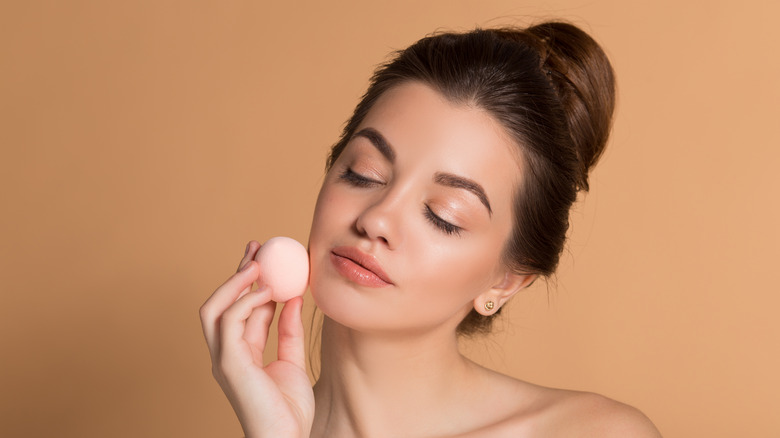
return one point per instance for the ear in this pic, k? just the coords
(501, 292)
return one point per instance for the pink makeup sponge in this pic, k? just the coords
(284, 268)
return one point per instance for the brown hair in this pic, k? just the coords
(552, 88)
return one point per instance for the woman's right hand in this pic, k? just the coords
(275, 400)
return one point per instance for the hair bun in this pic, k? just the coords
(583, 78)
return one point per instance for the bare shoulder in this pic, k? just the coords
(516, 408)
(584, 414)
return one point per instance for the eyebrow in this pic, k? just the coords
(458, 182)
(378, 141)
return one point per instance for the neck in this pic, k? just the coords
(375, 384)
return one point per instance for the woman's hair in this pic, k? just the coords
(552, 89)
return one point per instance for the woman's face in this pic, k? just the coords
(412, 218)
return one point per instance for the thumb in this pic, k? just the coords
(291, 348)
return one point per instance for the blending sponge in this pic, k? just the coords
(284, 268)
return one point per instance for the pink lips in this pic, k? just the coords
(359, 267)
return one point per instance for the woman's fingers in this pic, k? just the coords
(291, 343)
(233, 323)
(236, 322)
(221, 299)
(249, 254)
(257, 327)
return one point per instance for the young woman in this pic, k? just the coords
(448, 192)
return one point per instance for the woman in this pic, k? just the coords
(448, 192)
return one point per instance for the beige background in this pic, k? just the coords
(144, 143)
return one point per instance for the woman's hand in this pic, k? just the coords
(275, 400)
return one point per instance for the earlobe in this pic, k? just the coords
(489, 302)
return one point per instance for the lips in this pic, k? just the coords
(359, 267)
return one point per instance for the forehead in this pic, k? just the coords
(432, 134)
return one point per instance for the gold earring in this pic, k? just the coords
(489, 306)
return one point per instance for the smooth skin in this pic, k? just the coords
(390, 363)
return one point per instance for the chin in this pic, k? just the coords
(376, 312)
(345, 305)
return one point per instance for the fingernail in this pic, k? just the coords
(246, 251)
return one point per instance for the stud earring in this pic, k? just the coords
(489, 305)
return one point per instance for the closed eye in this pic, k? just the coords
(356, 179)
(440, 223)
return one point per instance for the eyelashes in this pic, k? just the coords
(357, 180)
(440, 223)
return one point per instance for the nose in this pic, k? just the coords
(380, 222)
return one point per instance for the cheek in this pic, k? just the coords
(454, 274)
(442, 288)
(331, 218)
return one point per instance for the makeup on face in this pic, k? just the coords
(359, 267)
(442, 178)
(368, 167)
(417, 207)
